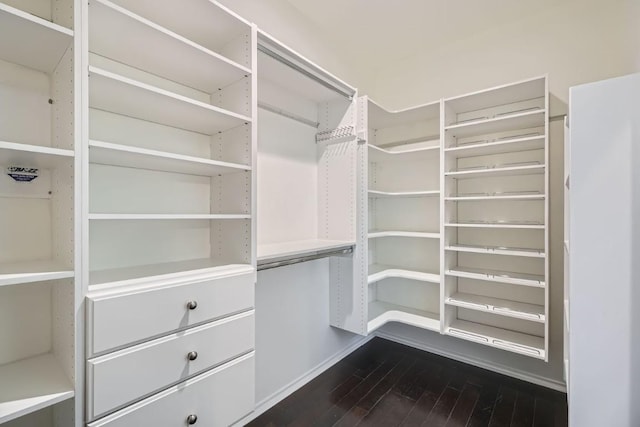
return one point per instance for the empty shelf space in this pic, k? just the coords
(495, 196)
(375, 194)
(522, 225)
(503, 123)
(128, 216)
(532, 312)
(16, 154)
(32, 271)
(497, 250)
(380, 117)
(378, 272)
(498, 171)
(207, 70)
(107, 153)
(381, 154)
(117, 278)
(509, 277)
(375, 234)
(298, 248)
(33, 42)
(121, 95)
(517, 342)
(490, 147)
(381, 312)
(32, 384)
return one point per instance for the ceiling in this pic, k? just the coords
(372, 31)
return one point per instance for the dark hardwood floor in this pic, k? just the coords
(388, 384)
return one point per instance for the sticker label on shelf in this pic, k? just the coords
(21, 174)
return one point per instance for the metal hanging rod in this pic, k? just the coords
(319, 255)
(302, 71)
(292, 116)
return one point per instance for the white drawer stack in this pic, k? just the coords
(169, 354)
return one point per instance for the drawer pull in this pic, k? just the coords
(192, 419)
(192, 305)
(192, 355)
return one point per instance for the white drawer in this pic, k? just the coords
(118, 378)
(115, 321)
(218, 397)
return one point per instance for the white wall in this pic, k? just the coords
(578, 41)
(575, 42)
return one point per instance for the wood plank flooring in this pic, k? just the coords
(388, 384)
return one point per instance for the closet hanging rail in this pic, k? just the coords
(292, 65)
(290, 261)
(292, 116)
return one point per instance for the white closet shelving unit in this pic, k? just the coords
(400, 172)
(39, 285)
(170, 142)
(495, 217)
(307, 152)
(169, 216)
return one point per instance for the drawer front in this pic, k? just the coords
(120, 320)
(127, 375)
(217, 398)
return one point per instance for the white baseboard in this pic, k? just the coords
(266, 404)
(480, 363)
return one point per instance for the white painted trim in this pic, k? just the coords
(269, 402)
(480, 363)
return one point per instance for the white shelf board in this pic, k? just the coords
(498, 197)
(500, 95)
(381, 154)
(214, 24)
(107, 153)
(508, 277)
(16, 273)
(519, 310)
(400, 194)
(497, 250)
(121, 95)
(566, 247)
(273, 251)
(517, 342)
(32, 384)
(375, 234)
(31, 41)
(157, 49)
(508, 122)
(154, 273)
(509, 225)
(381, 312)
(498, 171)
(510, 145)
(380, 117)
(378, 272)
(16, 154)
(566, 314)
(127, 216)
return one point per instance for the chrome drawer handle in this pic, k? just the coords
(192, 419)
(192, 355)
(192, 305)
